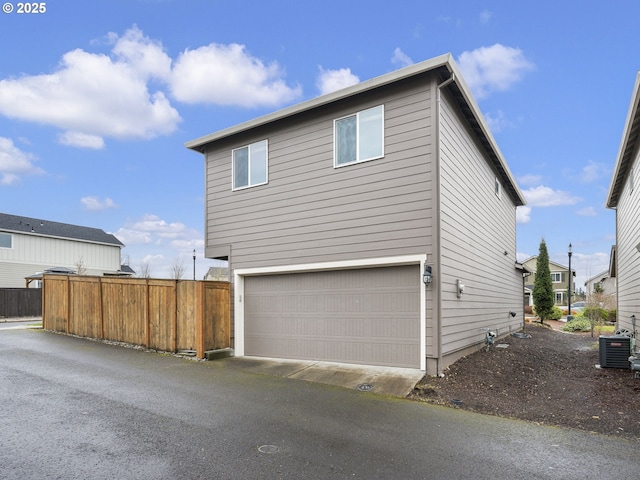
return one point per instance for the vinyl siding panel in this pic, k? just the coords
(31, 254)
(628, 237)
(312, 212)
(478, 241)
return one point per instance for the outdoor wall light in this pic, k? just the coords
(426, 276)
(460, 288)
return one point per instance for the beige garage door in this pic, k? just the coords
(367, 316)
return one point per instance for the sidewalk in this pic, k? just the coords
(20, 319)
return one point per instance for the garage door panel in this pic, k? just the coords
(367, 316)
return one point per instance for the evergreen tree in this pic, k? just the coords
(543, 298)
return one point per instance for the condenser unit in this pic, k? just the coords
(615, 351)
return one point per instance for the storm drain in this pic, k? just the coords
(365, 387)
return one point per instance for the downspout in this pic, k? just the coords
(437, 243)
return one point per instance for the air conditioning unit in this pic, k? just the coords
(615, 351)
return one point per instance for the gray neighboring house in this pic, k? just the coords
(624, 198)
(331, 211)
(29, 246)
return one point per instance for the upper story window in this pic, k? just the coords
(359, 137)
(250, 165)
(6, 240)
(498, 188)
(631, 181)
(556, 277)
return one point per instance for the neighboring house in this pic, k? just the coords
(624, 198)
(29, 246)
(559, 280)
(602, 283)
(219, 274)
(329, 212)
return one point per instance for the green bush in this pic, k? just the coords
(596, 314)
(578, 325)
(556, 314)
(613, 316)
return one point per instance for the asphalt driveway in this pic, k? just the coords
(73, 408)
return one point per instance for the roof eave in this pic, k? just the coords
(623, 160)
(445, 60)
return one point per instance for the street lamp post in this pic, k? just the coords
(569, 284)
(194, 263)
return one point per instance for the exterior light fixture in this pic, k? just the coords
(426, 276)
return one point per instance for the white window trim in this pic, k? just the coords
(552, 277)
(335, 143)
(240, 274)
(233, 166)
(498, 188)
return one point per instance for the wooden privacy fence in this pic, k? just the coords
(166, 315)
(20, 302)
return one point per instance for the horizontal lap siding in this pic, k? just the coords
(309, 211)
(477, 229)
(628, 257)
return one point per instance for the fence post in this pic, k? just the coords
(66, 319)
(199, 319)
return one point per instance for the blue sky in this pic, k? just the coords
(98, 98)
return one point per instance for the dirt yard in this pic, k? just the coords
(550, 378)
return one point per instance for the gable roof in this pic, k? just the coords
(628, 147)
(444, 66)
(551, 262)
(46, 228)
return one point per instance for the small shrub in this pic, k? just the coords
(556, 314)
(596, 314)
(578, 325)
(612, 316)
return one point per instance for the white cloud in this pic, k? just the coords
(332, 80)
(485, 16)
(588, 212)
(130, 236)
(228, 75)
(96, 204)
(144, 55)
(495, 68)
(125, 94)
(523, 214)
(497, 121)
(93, 95)
(530, 179)
(152, 229)
(83, 140)
(547, 197)
(401, 59)
(14, 163)
(593, 171)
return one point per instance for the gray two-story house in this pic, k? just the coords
(624, 198)
(374, 225)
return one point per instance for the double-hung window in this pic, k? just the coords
(250, 165)
(359, 137)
